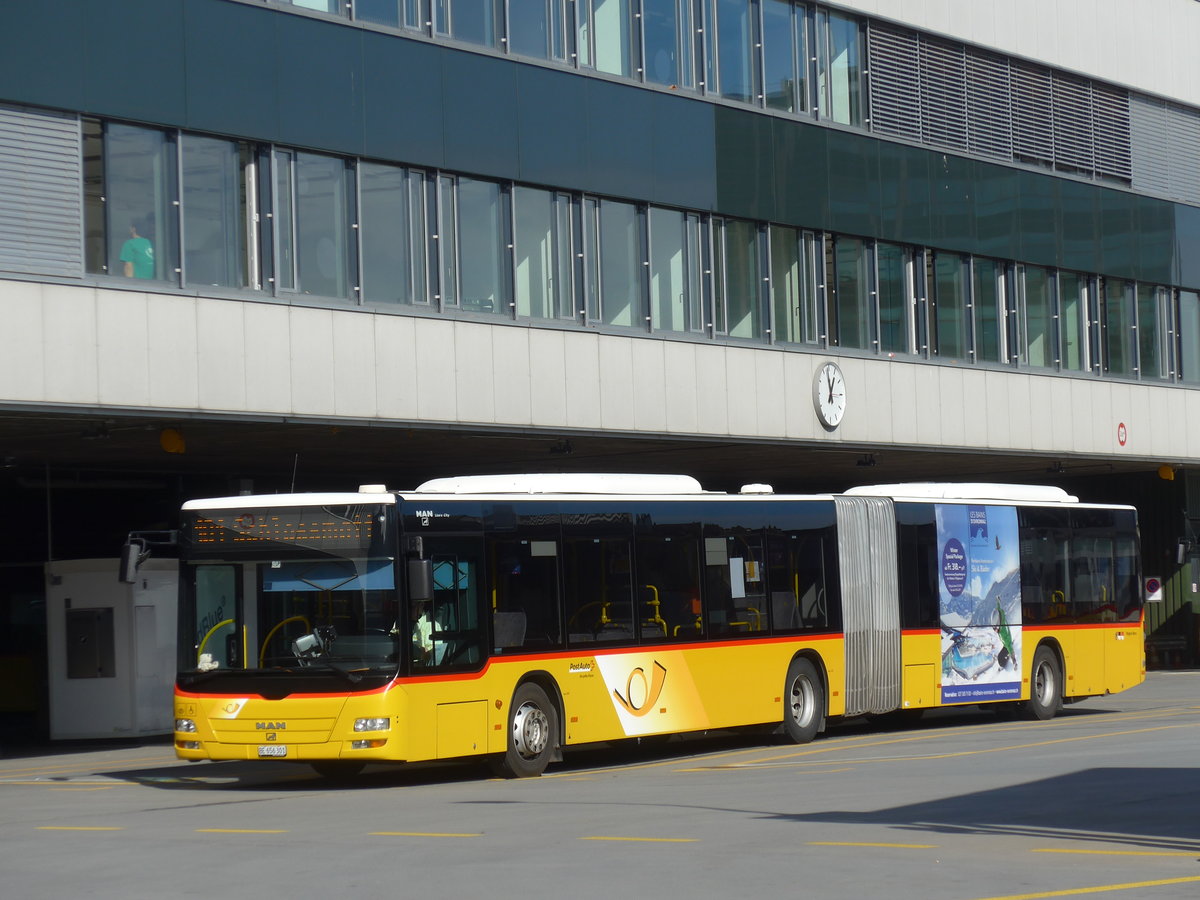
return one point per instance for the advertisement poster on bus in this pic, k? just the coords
(980, 600)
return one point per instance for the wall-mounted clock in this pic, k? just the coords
(829, 395)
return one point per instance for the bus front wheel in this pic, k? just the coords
(1045, 685)
(532, 730)
(804, 696)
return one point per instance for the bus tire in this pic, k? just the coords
(532, 733)
(804, 702)
(1045, 685)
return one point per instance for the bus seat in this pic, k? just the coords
(785, 609)
(509, 629)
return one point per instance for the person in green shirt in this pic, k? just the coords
(138, 255)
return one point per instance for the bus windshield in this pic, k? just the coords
(290, 590)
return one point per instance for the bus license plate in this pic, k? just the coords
(272, 749)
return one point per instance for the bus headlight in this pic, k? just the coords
(185, 725)
(383, 724)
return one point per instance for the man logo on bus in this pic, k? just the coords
(650, 691)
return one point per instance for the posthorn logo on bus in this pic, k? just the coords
(650, 690)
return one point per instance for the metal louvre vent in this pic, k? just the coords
(1183, 132)
(1152, 155)
(1032, 114)
(948, 95)
(871, 615)
(895, 97)
(1072, 123)
(943, 95)
(1110, 109)
(989, 113)
(41, 205)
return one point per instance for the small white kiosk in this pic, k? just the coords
(111, 648)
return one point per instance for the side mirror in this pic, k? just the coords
(420, 579)
(131, 556)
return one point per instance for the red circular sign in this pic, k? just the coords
(1122, 434)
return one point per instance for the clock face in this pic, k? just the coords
(829, 395)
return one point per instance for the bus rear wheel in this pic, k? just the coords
(532, 732)
(1045, 685)
(804, 702)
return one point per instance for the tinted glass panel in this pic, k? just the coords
(214, 212)
(1037, 295)
(481, 240)
(852, 309)
(989, 311)
(667, 32)
(792, 288)
(1189, 340)
(323, 219)
(739, 286)
(620, 263)
(783, 55)
(1073, 320)
(542, 244)
(1116, 316)
(895, 298)
(393, 234)
(669, 270)
(140, 187)
(734, 42)
(950, 313)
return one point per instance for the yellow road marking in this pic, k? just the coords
(1099, 889)
(77, 790)
(871, 844)
(446, 834)
(1190, 855)
(241, 831)
(641, 840)
(80, 828)
(63, 768)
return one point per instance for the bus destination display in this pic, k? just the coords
(339, 528)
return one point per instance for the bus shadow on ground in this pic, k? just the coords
(1141, 807)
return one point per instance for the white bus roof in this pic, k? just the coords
(562, 483)
(254, 501)
(975, 490)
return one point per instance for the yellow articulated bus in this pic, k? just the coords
(511, 617)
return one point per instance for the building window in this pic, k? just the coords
(397, 13)
(1189, 336)
(785, 55)
(1117, 317)
(394, 235)
(735, 49)
(948, 276)
(1154, 331)
(896, 299)
(987, 303)
(607, 39)
(313, 215)
(542, 245)
(850, 316)
(839, 68)
(215, 211)
(1073, 321)
(473, 21)
(473, 243)
(668, 31)
(130, 208)
(737, 277)
(676, 283)
(613, 270)
(793, 286)
(1035, 316)
(538, 28)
